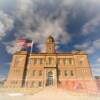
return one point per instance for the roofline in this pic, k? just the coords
(41, 53)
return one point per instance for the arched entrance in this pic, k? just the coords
(50, 78)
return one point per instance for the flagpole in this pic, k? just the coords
(29, 58)
(31, 48)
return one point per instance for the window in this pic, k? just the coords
(58, 60)
(27, 84)
(70, 60)
(30, 61)
(13, 82)
(50, 48)
(41, 61)
(40, 83)
(35, 60)
(65, 72)
(17, 61)
(16, 71)
(40, 73)
(33, 84)
(64, 60)
(49, 60)
(34, 72)
(81, 61)
(72, 73)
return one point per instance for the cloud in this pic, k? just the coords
(96, 43)
(43, 20)
(2, 78)
(36, 19)
(89, 46)
(91, 25)
(11, 47)
(96, 71)
(6, 24)
(86, 46)
(98, 60)
(90, 50)
(96, 66)
(82, 46)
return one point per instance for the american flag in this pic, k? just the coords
(29, 45)
(24, 43)
(21, 42)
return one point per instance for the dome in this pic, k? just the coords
(50, 39)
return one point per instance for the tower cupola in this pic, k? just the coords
(50, 45)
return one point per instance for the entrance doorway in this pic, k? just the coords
(50, 79)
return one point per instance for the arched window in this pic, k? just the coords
(50, 78)
(50, 73)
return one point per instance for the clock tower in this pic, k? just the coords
(50, 45)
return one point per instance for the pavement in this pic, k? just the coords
(49, 94)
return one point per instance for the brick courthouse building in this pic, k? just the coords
(35, 70)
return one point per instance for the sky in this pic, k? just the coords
(75, 24)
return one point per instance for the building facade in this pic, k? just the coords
(97, 78)
(47, 69)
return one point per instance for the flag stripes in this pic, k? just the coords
(20, 42)
(24, 43)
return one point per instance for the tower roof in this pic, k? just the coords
(50, 39)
